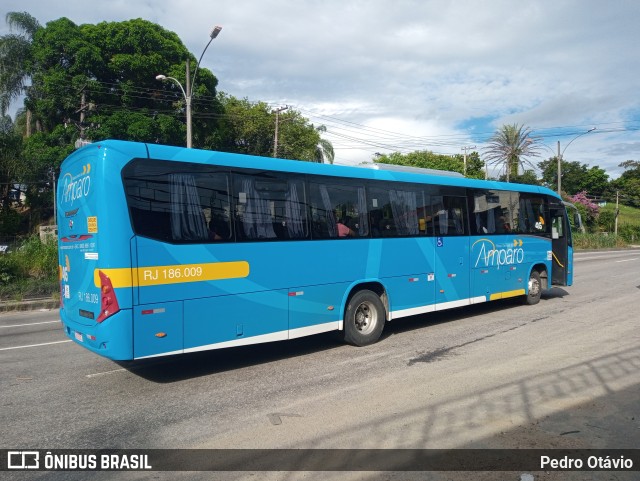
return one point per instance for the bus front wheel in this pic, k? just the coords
(364, 318)
(535, 289)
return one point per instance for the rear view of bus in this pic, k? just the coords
(94, 312)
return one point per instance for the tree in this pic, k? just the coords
(100, 81)
(527, 177)
(324, 149)
(426, 159)
(510, 146)
(15, 57)
(10, 160)
(95, 82)
(576, 177)
(249, 128)
(627, 186)
(297, 138)
(588, 210)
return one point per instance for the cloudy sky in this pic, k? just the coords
(415, 75)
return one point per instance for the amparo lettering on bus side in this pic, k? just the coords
(490, 255)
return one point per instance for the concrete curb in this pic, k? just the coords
(29, 305)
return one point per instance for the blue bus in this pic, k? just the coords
(166, 250)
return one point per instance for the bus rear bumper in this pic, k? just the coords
(113, 338)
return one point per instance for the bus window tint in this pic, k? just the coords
(338, 210)
(449, 216)
(218, 211)
(177, 202)
(269, 207)
(492, 212)
(531, 214)
(397, 212)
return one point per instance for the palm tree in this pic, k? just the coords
(10, 154)
(324, 149)
(509, 146)
(15, 57)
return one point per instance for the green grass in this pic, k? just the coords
(628, 215)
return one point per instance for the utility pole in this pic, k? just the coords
(83, 106)
(465, 157)
(560, 170)
(81, 125)
(275, 139)
(617, 211)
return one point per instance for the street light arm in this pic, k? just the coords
(214, 33)
(164, 77)
(577, 137)
(190, 83)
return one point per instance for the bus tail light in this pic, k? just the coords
(108, 302)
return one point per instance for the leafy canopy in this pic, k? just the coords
(430, 160)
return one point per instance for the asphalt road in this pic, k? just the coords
(561, 374)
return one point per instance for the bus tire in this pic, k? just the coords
(534, 289)
(364, 318)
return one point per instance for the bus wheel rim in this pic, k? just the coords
(365, 317)
(534, 287)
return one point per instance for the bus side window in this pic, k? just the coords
(449, 215)
(338, 203)
(530, 214)
(397, 212)
(170, 202)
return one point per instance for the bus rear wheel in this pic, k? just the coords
(364, 318)
(535, 289)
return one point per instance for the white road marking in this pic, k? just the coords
(31, 324)
(33, 345)
(105, 373)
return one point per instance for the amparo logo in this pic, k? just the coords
(491, 255)
(76, 187)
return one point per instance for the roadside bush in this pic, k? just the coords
(31, 270)
(630, 233)
(606, 220)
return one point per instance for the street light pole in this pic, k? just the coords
(187, 99)
(561, 154)
(190, 84)
(275, 137)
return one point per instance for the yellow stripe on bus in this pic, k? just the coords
(506, 294)
(174, 274)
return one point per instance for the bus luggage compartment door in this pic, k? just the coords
(157, 329)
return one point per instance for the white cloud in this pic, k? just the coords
(446, 73)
